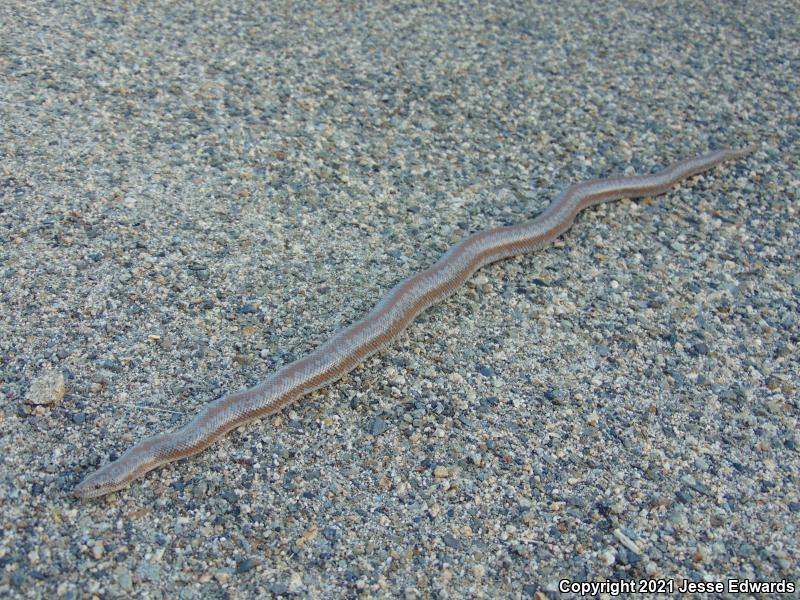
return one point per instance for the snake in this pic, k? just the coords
(391, 315)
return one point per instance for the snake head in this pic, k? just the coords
(134, 462)
(108, 478)
(92, 487)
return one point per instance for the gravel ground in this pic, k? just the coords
(195, 193)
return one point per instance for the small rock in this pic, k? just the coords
(222, 576)
(427, 123)
(200, 490)
(248, 309)
(246, 565)
(627, 542)
(124, 579)
(378, 426)
(47, 389)
(97, 551)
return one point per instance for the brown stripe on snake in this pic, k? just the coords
(350, 346)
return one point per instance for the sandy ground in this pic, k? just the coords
(194, 193)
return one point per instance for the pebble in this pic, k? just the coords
(124, 578)
(486, 371)
(47, 389)
(246, 565)
(378, 426)
(223, 576)
(627, 542)
(97, 551)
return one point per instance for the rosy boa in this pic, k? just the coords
(350, 346)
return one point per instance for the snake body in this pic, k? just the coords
(352, 345)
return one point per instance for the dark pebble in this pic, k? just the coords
(631, 557)
(489, 401)
(230, 496)
(378, 426)
(246, 565)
